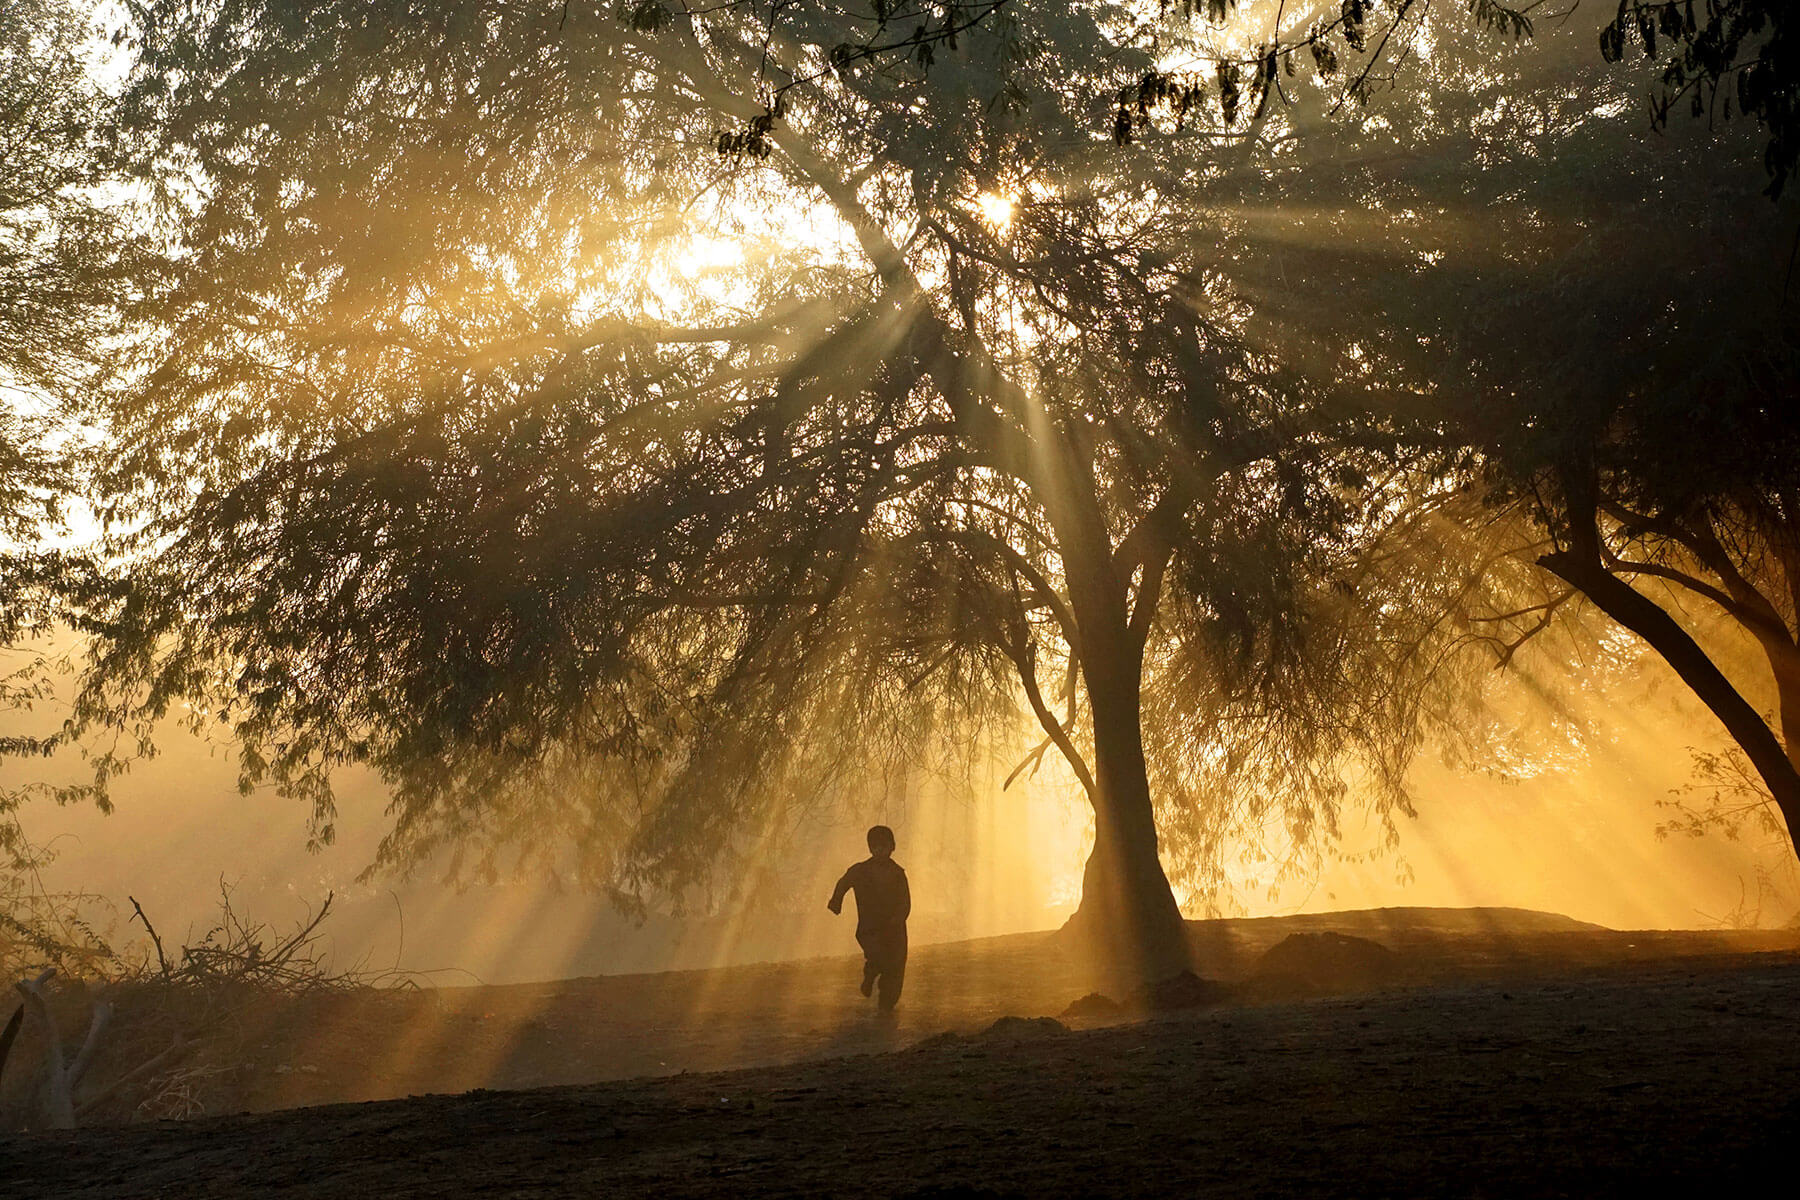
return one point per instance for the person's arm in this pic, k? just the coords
(905, 898)
(836, 903)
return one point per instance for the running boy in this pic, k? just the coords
(883, 902)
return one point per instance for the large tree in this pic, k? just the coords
(633, 431)
(526, 409)
(1604, 324)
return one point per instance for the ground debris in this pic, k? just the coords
(1186, 990)
(1093, 1007)
(1019, 1029)
(1320, 963)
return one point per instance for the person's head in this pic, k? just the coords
(881, 841)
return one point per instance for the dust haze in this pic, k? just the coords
(1571, 830)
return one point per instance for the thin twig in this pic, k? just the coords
(162, 962)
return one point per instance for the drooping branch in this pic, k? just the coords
(1022, 656)
(1579, 563)
(1699, 587)
(1041, 586)
(1546, 612)
(1035, 756)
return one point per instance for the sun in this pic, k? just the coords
(996, 209)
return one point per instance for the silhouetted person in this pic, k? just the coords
(883, 902)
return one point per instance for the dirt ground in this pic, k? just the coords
(1506, 1053)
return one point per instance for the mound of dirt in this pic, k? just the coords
(1024, 1029)
(1327, 962)
(1093, 1007)
(1186, 990)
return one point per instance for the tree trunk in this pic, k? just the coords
(1644, 617)
(1128, 916)
(1128, 911)
(1787, 692)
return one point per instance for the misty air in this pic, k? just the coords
(898, 598)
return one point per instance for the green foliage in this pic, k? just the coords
(1725, 795)
(58, 244)
(1501, 18)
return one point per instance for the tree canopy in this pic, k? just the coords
(591, 482)
(62, 263)
(631, 431)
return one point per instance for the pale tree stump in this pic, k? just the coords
(61, 1076)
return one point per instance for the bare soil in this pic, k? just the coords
(1505, 1053)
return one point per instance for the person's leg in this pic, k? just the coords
(871, 962)
(893, 977)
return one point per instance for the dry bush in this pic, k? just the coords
(1725, 795)
(177, 1027)
(41, 928)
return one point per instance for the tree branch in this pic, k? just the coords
(1065, 617)
(1022, 658)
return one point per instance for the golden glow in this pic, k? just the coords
(997, 210)
(703, 253)
(1565, 833)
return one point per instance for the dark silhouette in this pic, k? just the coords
(883, 902)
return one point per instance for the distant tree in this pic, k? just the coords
(1614, 352)
(60, 262)
(497, 422)
(1670, 494)
(1634, 398)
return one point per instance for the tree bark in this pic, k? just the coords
(1128, 909)
(1787, 699)
(1644, 617)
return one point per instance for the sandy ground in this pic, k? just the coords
(1508, 1054)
